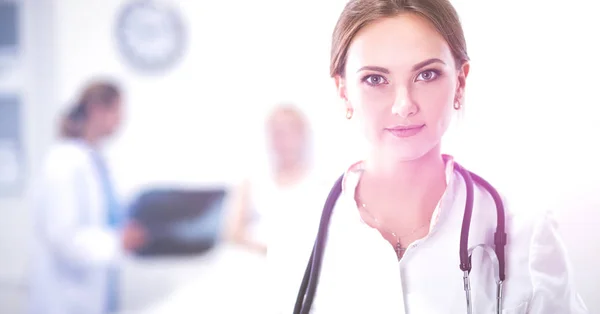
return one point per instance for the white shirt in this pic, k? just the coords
(361, 274)
(270, 199)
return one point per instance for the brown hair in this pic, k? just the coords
(359, 13)
(99, 93)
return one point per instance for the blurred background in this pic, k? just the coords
(202, 84)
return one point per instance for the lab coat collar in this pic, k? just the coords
(354, 172)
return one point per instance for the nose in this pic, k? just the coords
(403, 105)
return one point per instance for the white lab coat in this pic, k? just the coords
(361, 274)
(72, 248)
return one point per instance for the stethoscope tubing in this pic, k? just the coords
(309, 283)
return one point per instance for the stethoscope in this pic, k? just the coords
(308, 287)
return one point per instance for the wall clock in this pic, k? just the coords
(150, 35)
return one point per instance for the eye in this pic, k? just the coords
(374, 80)
(428, 75)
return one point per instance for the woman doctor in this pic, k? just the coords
(79, 230)
(400, 67)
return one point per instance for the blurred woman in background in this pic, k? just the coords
(281, 188)
(79, 231)
(279, 206)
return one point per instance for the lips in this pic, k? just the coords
(406, 131)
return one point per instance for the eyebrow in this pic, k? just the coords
(414, 68)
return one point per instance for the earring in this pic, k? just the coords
(457, 105)
(349, 113)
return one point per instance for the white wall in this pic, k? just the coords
(531, 126)
(32, 77)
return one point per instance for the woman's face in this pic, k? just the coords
(401, 80)
(108, 118)
(287, 138)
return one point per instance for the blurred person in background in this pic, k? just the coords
(80, 227)
(279, 188)
(281, 202)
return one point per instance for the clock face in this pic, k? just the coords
(150, 35)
